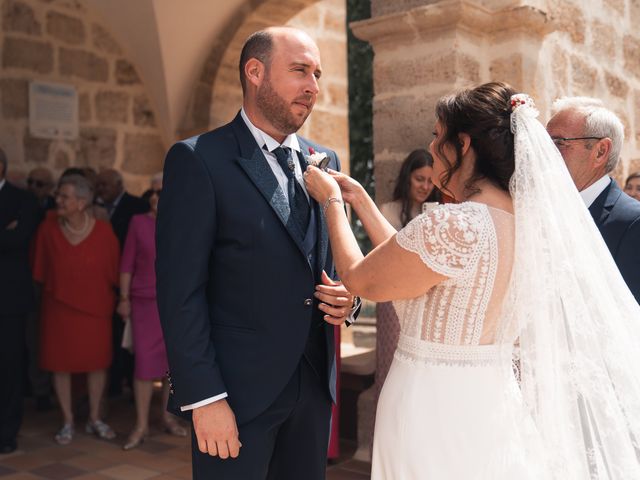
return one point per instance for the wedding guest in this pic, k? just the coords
(18, 222)
(589, 138)
(120, 206)
(632, 185)
(138, 305)
(76, 261)
(40, 183)
(413, 188)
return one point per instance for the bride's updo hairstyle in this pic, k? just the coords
(483, 113)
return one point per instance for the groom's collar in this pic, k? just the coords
(263, 138)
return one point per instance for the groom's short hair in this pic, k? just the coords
(259, 45)
(599, 122)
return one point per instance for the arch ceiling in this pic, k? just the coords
(169, 42)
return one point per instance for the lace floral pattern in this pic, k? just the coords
(458, 241)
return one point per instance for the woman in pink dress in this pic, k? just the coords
(138, 305)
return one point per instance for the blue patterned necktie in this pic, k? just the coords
(298, 203)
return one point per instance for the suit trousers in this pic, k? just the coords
(286, 442)
(12, 357)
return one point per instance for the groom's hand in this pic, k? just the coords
(336, 300)
(216, 430)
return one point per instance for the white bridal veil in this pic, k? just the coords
(576, 322)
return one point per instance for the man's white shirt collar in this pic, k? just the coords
(2, 182)
(590, 193)
(263, 138)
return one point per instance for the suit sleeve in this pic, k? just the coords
(186, 227)
(27, 223)
(628, 258)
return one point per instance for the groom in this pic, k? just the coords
(245, 304)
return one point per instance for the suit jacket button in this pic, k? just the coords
(308, 302)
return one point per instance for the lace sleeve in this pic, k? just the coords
(448, 239)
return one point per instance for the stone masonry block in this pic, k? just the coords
(616, 85)
(112, 106)
(36, 150)
(83, 64)
(96, 147)
(68, 29)
(603, 41)
(508, 69)
(143, 153)
(584, 75)
(568, 18)
(103, 40)
(631, 48)
(84, 107)
(126, 73)
(403, 123)
(142, 112)
(27, 54)
(19, 17)
(448, 68)
(15, 98)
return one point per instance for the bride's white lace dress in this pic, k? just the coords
(450, 407)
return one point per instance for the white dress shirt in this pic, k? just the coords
(2, 182)
(590, 193)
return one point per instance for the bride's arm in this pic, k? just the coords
(377, 227)
(389, 272)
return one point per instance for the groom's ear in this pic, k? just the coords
(464, 141)
(254, 70)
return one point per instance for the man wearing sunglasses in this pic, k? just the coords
(589, 138)
(40, 183)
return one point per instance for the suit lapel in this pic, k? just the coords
(321, 224)
(255, 165)
(601, 207)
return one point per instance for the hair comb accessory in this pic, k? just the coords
(520, 99)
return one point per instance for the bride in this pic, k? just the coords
(520, 343)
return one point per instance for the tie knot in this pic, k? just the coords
(283, 155)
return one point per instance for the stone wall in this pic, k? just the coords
(425, 49)
(61, 41)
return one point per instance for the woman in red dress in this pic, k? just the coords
(76, 261)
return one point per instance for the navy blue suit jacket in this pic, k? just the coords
(617, 215)
(16, 284)
(233, 281)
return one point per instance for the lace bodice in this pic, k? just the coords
(472, 245)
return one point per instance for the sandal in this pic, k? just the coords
(100, 430)
(64, 435)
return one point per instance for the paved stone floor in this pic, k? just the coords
(160, 457)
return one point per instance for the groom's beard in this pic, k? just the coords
(278, 110)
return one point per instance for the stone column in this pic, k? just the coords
(432, 49)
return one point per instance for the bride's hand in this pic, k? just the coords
(320, 185)
(349, 187)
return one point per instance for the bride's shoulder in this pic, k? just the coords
(453, 213)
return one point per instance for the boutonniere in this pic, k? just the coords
(317, 159)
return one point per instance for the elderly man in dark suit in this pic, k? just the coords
(245, 301)
(18, 221)
(590, 137)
